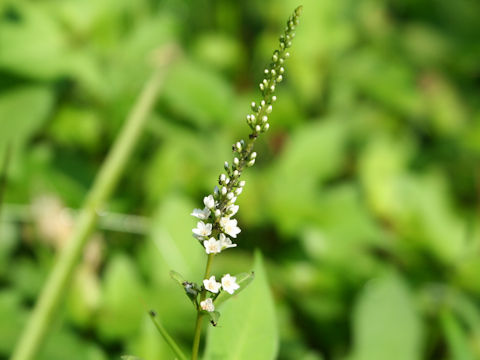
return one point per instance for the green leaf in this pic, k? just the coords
(243, 279)
(457, 337)
(130, 357)
(385, 323)
(214, 316)
(249, 327)
(177, 277)
(23, 112)
(122, 309)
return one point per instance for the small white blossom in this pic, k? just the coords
(201, 214)
(253, 155)
(207, 305)
(258, 128)
(232, 209)
(226, 242)
(202, 230)
(211, 285)
(218, 213)
(224, 190)
(242, 183)
(238, 191)
(236, 161)
(209, 201)
(232, 200)
(229, 283)
(229, 226)
(212, 246)
(230, 196)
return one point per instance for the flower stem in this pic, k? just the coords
(198, 324)
(173, 345)
(61, 274)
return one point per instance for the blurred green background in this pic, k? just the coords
(364, 201)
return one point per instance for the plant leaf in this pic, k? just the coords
(177, 277)
(249, 327)
(385, 323)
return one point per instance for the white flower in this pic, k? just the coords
(212, 246)
(207, 305)
(232, 209)
(201, 214)
(211, 285)
(225, 242)
(229, 283)
(229, 226)
(202, 230)
(209, 201)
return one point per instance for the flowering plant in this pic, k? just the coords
(216, 226)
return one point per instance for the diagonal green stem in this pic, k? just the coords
(104, 184)
(198, 324)
(166, 336)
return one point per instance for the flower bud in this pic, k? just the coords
(258, 128)
(253, 155)
(236, 161)
(242, 183)
(230, 196)
(224, 190)
(269, 108)
(236, 173)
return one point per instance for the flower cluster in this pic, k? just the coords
(216, 226)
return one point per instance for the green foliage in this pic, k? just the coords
(385, 322)
(364, 202)
(248, 327)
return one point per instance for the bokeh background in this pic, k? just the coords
(364, 200)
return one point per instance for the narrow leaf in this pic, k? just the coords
(166, 336)
(177, 277)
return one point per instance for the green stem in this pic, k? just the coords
(198, 324)
(173, 345)
(104, 184)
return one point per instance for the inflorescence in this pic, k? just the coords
(217, 226)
